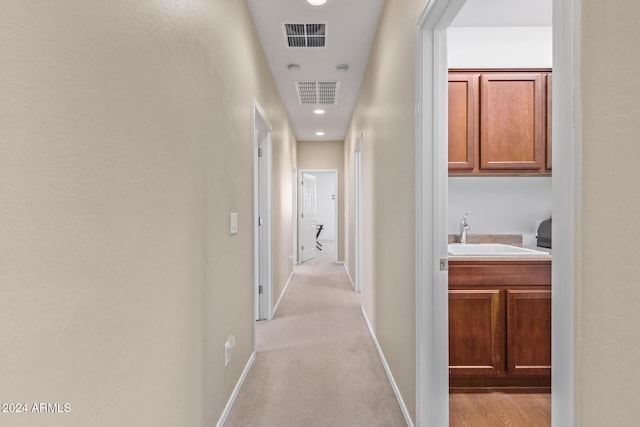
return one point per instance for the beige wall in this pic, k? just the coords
(385, 113)
(608, 297)
(125, 141)
(326, 155)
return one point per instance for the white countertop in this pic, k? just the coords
(546, 256)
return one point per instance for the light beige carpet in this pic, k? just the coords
(316, 364)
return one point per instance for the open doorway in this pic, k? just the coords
(499, 186)
(318, 214)
(432, 199)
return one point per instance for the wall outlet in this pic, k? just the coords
(228, 348)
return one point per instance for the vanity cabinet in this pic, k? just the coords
(476, 332)
(500, 324)
(529, 332)
(499, 122)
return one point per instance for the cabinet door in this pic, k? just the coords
(529, 332)
(512, 124)
(463, 121)
(476, 332)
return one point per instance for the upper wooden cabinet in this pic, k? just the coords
(512, 132)
(499, 122)
(463, 121)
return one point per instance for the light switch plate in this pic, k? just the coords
(233, 222)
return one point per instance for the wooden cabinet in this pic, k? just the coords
(476, 332)
(529, 332)
(499, 122)
(500, 324)
(512, 132)
(463, 121)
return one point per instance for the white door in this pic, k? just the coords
(308, 217)
(263, 225)
(263, 293)
(357, 171)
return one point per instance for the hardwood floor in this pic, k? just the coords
(499, 409)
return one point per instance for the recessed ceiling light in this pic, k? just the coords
(342, 67)
(319, 133)
(318, 111)
(293, 67)
(317, 2)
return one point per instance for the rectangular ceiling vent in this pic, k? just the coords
(318, 93)
(305, 35)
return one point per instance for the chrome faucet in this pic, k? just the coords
(464, 227)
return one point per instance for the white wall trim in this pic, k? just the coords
(346, 270)
(432, 373)
(284, 291)
(236, 390)
(394, 386)
(294, 217)
(566, 190)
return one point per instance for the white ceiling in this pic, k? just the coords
(351, 27)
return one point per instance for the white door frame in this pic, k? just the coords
(336, 210)
(294, 217)
(262, 256)
(357, 197)
(431, 205)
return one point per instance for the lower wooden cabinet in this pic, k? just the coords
(500, 325)
(476, 332)
(529, 332)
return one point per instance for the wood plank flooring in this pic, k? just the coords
(499, 409)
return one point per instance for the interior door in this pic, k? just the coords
(263, 291)
(308, 210)
(357, 171)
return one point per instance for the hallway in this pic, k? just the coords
(316, 364)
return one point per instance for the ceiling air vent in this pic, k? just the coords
(318, 93)
(305, 35)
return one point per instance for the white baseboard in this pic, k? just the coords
(394, 386)
(234, 394)
(353, 285)
(284, 291)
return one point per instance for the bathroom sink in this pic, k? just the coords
(490, 249)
